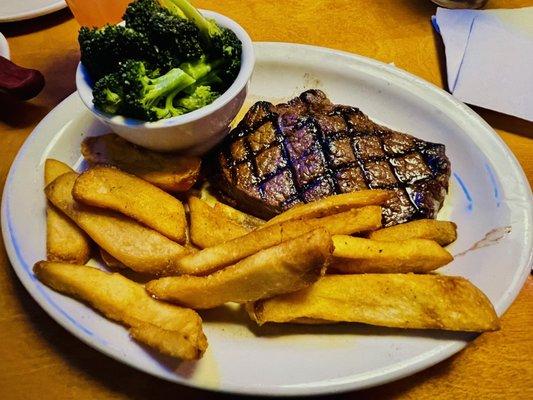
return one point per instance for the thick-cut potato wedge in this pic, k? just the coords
(224, 254)
(207, 195)
(108, 187)
(167, 342)
(54, 168)
(170, 172)
(358, 255)
(110, 261)
(134, 245)
(64, 240)
(171, 329)
(248, 221)
(284, 268)
(208, 227)
(333, 205)
(393, 300)
(442, 232)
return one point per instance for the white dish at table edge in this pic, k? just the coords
(30, 10)
(342, 357)
(4, 47)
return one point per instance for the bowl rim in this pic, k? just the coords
(84, 88)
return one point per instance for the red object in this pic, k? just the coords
(19, 82)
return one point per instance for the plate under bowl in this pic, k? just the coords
(489, 195)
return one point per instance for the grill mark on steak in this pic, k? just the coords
(296, 152)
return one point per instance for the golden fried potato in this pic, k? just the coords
(64, 240)
(333, 205)
(284, 268)
(108, 187)
(170, 172)
(393, 300)
(213, 258)
(167, 342)
(110, 261)
(246, 220)
(171, 329)
(442, 232)
(134, 245)
(356, 255)
(54, 168)
(206, 194)
(208, 227)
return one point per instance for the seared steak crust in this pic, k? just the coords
(308, 148)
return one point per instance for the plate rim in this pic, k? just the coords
(53, 6)
(415, 365)
(4, 47)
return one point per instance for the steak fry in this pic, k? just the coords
(137, 247)
(65, 242)
(208, 227)
(224, 254)
(442, 232)
(287, 267)
(171, 329)
(353, 255)
(333, 205)
(110, 188)
(170, 172)
(393, 300)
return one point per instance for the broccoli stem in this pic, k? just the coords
(201, 68)
(207, 28)
(174, 9)
(173, 82)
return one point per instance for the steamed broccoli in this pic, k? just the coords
(136, 92)
(102, 49)
(220, 43)
(108, 95)
(177, 39)
(167, 61)
(201, 96)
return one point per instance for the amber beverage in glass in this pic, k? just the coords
(98, 12)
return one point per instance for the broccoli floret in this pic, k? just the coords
(139, 13)
(200, 97)
(220, 42)
(102, 49)
(139, 93)
(108, 95)
(175, 38)
(151, 98)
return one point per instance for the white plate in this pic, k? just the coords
(488, 192)
(18, 10)
(4, 47)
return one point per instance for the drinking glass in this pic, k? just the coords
(98, 12)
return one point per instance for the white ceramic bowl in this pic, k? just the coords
(195, 132)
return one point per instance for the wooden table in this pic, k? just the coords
(39, 359)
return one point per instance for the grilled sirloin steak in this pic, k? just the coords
(297, 152)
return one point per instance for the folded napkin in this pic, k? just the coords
(489, 57)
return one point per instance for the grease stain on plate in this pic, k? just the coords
(492, 237)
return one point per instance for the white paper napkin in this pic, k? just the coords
(489, 57)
